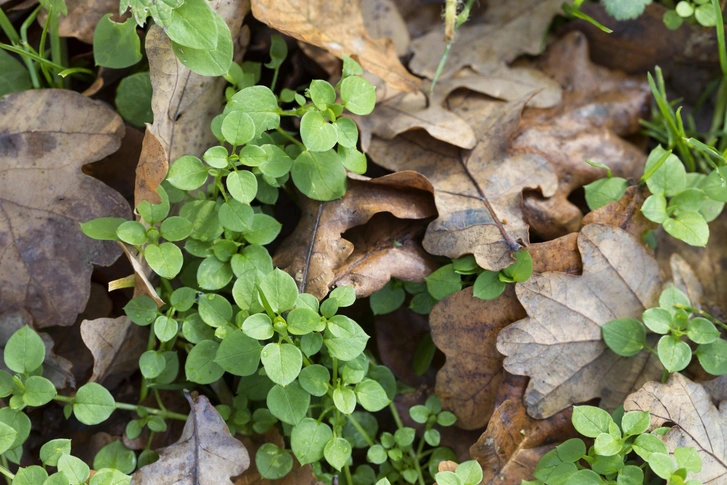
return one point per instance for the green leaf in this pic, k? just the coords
(75, 470)
(687, 200)
(276, 163)
(488, 286)
(661, 464)
(670, 178)
(141, 310)
(93, 404)
(605, 191)
(322, 94)
(54, 449)
(193, 24)
(195, 330)
(448, 478)
(646, 444)
(214, 310)
(470, 472)
(133, 99)
(311, 344)
(672, 296)
(422, 303)
(308, 439)
(702, 331)
(201, 366)
(584, 477)
(371, 395)
(209, 62)
(302, 321)
(352, 159)
(15, 77)
(39, 391)
(344, 295)
(571, 450)
(151, 363)
(243, 184)
(102, 229)
(344, 338)
(404, 436)
(7, 437)
(317, 134)
(32, 475)
(132, 232)
(713, 357)
(282, 362)
(175, 228)
(278, 51)
(258, 326)
(654, 208)
(625, 9)
(263, 231)
(154, 213)
(115, 455)
(238, 129)
(213, 274)
(432, 437)
(272, 462)
(171, 368)
(624, 336)
(239, 354)
(24, 351)
(387, 299)
(187, 173)
(347, 132)
(289, 404)
(714, 187)
(658, 320)
(606, 445)
(110, 476)
(165, 328)
(337, 452)
(344, 399)
(674, 354)
(635, 422)
(217, 156)
(314, 379)
(280, 290)
(236, 216)
(521, 269)
(376, 454)
(689, 459)
(705, 15)
(116, 45)
(358, 95)
(261, 104)
(17, 420)
(443, 282)
(252, 258)
(591, 421)
(630, 475)
(689, 227)
(320, 175)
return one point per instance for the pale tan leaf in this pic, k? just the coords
(46, 136)
(116, 345)
(383, 20)
(698, 422)
(83, 15)
(205, 454)
(563, 329)
(338, 27)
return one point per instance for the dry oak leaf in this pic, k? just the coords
(478, 192)
(559, 345)
(46, 136)
(383, 20)
(83, 15)
(599, 107)
(698, 422)
(465, 328)
(116, 345)
(206, 453)
(514, 442)
(338, 27)
(316, 250)
(183, 103)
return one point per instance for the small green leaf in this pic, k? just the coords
(670, 178)
(605, 191)
(337, 452)
(261, 104)
(24, 351)
(115, 455)
(116, 45)
(470, 472)
(278, 51)
(322, 94)
(591, 421)
(289, 404)
(630, 475)
(282, 362)
(239, 354)
(242, 185)
(302, 321)
(132, 232)
(371, 395)
(133, 99)
(238, 128)
(213, 274)
(352, 159)
(7, 437)
(521, 269)
(175, 228)
(193, 25)
(344, 295)
(662, 464)
(646, 444)
(443, 282)
(320, 175)
(141, 310)
(217, 156)
(344, 338)
(280, 290)
(258, 326)
(187, 173)
(54, 449)
(214, 310)
(311, 344)
(263, 231)
(272, 462)
(625, 336)
(358, 95)
(308, 439)
(151, 363)
(689, 459)
(15, 77)
(165, 328)
(635, 422)
(39, 391)
(110, 476)
(448, 478)
(674, 354)
(713, 357)
(209, 62)
(658, 320)
(33, 475)
(606, 445)
(102, 229)
(236, 216)
(689, 227)
(347, 132)
(654, 208)
(201, 366)
(672, 296)
(93, 404)
(314, 379)
(387, 299)
(571, 450)
(702, 331)
(488, 286)
(344, 399)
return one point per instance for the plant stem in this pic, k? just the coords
(395, 414)
(24, 36)
(702, 313)
(9, 476)
(664, 376)
(150, 344)
(133, 407)
(360, 429)
(289, 137)
(346, 469)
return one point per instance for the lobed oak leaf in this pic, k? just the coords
(338, 27)
(317, 255)
(46, 136)
(205, 454)
(559, 345)
(698, 423)
(478, 192)
(116, 345)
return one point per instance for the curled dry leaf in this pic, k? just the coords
(116, 345)
(83, 15)
(625, 214)
(563, 328)
(478, 192)
(698, 422)
(142, 275)
(599, 106)
(514, 442)
(183, 104)
(559, 255)
(465, 328)
(46, 136)
(383, 20)
(338, 27)
(206, 453)
(317, 255)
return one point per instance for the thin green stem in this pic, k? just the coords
(24, 36)
(335, 371)
(664, 376)
(133, 407)
(720, 37)
(9, 476)
(289, 137)
(275, 78)
(395, 414)
(652, 170)
(701, 313)
(346, 468)
(150, 344)
(360, 429)
(8, 28)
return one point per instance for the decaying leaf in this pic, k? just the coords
(183, 103)
(559, 344)
(626, 213)
(465, 328)
(315, 254)
(83, 15)
(478, 192)
(338, 27)
(383, 20)
(514, 442)
(116, 345)
(686, 280)
(206, 453)
(142, 275)
(559, 255)
(46, 136)
(698, 422)
(599, 106)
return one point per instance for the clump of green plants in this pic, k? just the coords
(678, 323)
(699, 12)
(623, 452)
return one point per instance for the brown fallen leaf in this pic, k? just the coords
(338, 27)
(83, 15)
(686, 280)
(205, 454)
(46, 136)
(183, 103)
(625, 214)
(478, 192)
(514, 442)
(383, 20)
(142, 275)
(599, 107)
(559, 255)
(507, 30)
(315, 253)
(698, 422)
(465, 328)
(562, 331)
(116, 345)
